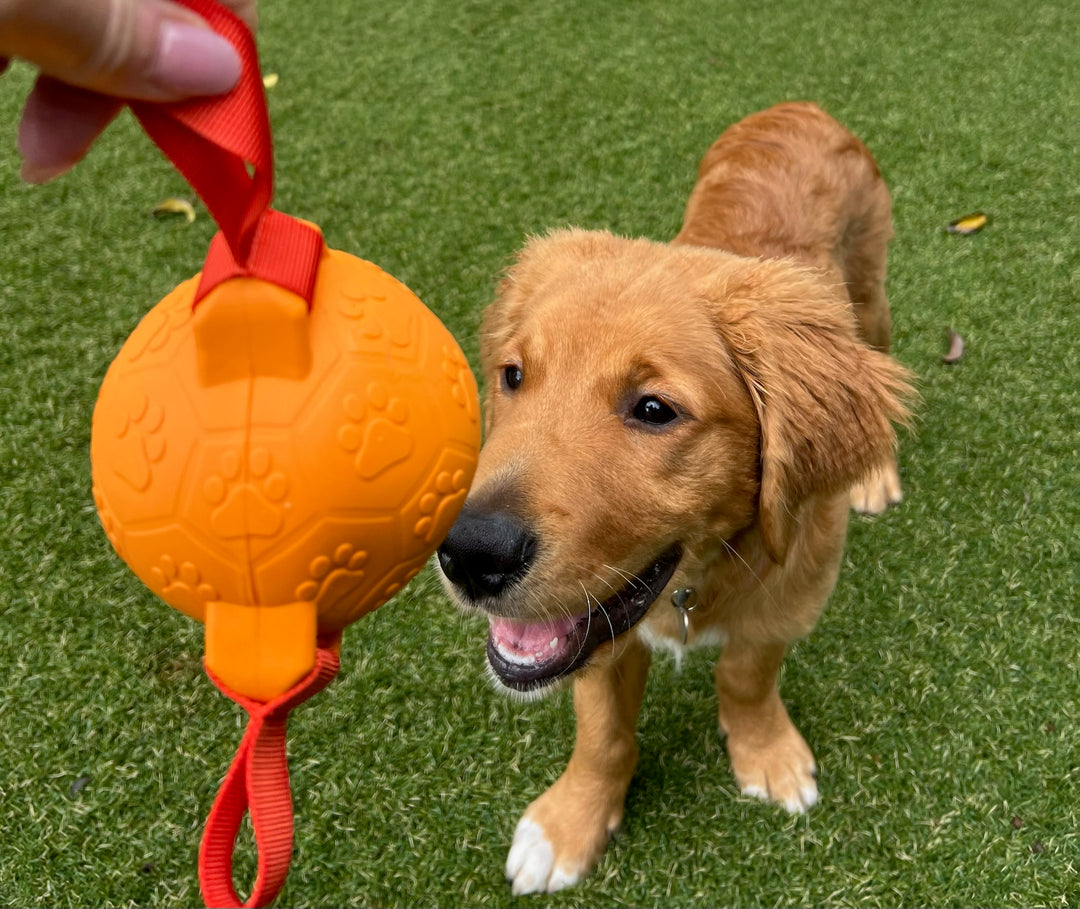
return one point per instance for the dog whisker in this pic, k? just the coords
(612, 627)
(628, 576)
(588, 612)
(605, 581)
(565, 611)
(760, 583)
(618, 593)
(619, 571)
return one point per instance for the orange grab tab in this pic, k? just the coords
(278, 447)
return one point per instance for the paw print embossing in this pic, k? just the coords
(449, 493)
(400, 581)
(156, 328)
(331, 578)
(251, 506)
(360, 309)
(385, 440)
(182, 585)
(142, 444)
(401, 334)
(364, 311)
(457, 373)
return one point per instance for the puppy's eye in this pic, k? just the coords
(654, 411)
(512, 377)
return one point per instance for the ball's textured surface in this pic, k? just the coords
(250, 454)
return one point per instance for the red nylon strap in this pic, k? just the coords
(283, 251)
(213, 142)
(257, 783)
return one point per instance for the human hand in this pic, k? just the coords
(93, 54)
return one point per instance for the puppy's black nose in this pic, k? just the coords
(485, 551)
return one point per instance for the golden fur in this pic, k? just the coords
(756, 325)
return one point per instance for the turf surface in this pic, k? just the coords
(940, 690)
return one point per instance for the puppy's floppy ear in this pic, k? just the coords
(826, 402)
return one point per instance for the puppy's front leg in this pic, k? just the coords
(769, 757)
(563, 833)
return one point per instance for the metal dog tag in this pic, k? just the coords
(685, 601)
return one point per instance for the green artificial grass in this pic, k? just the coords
(940, 690)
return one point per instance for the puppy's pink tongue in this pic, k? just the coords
(530, 639)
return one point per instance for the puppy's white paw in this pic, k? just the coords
(878, 491)
(531, 867)
(794, 802)
(781, 771)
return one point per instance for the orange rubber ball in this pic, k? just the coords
(277, 472)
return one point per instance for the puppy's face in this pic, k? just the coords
(645, 403)
(620, 437)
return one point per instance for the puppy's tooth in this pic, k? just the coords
(554, 643)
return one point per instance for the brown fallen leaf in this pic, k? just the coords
(174, 206)
(956, 348)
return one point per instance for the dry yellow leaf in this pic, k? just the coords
(174, 206)
(968, 224)
(270, 80)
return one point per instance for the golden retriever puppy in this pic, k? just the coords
(673, 435)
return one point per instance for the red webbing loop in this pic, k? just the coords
(213, 142)
(283, 250)
(222, 146)
(257, 783)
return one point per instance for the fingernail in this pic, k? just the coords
(190, 60)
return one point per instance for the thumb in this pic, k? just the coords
(153, 50)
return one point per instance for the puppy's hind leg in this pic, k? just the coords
(880, 488)
(864, 255)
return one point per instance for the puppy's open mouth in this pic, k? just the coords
(528, 655)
